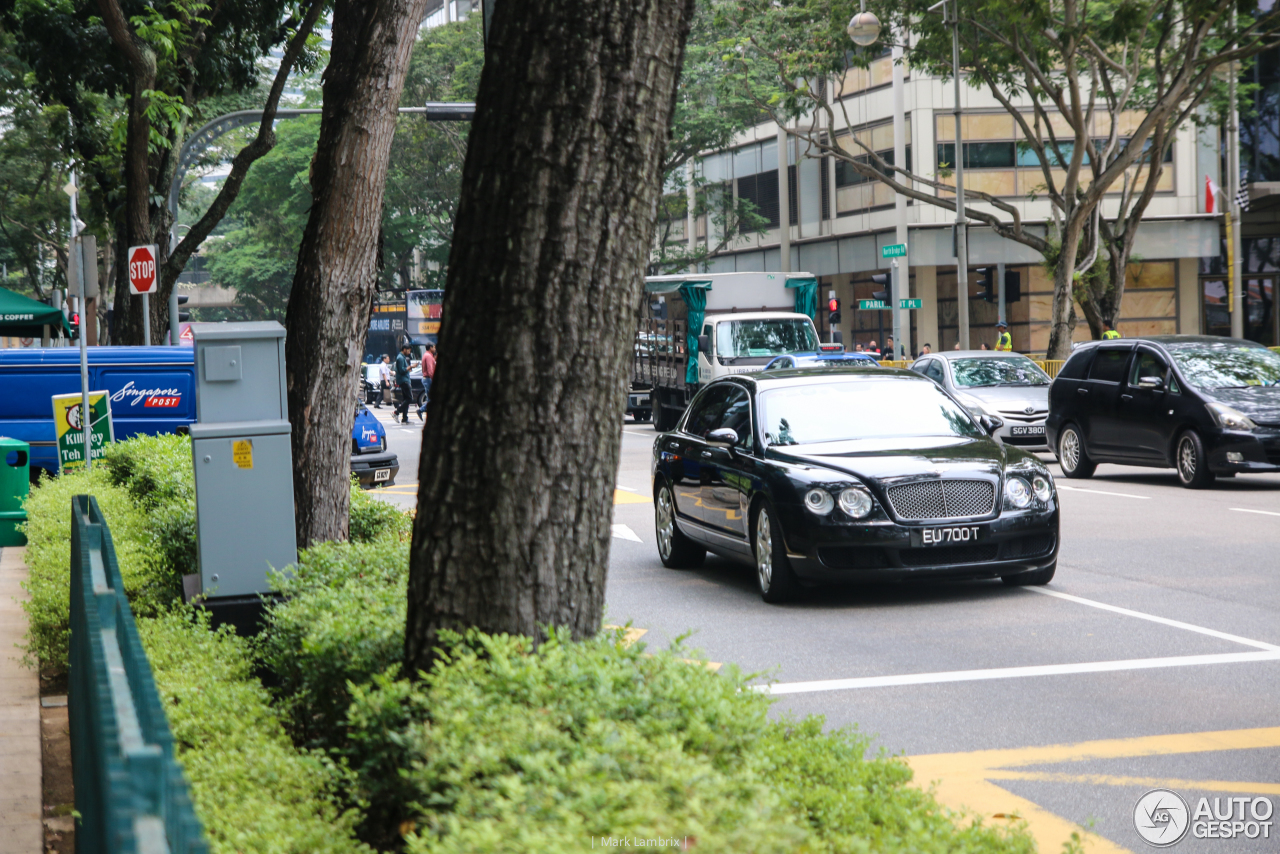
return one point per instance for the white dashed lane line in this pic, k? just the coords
(1100, 492)
(1247, 510)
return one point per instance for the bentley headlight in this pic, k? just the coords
(855, 502)
(1228, 418)
(1017, 492)
(819, 501)
(1041, 487)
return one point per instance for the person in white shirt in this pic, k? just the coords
(384, 373)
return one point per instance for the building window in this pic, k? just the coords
(1260, 318)
(878, 73)
(856, 192)
(1004, 163)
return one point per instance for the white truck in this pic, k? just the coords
(743, 322)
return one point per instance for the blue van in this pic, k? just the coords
(152, 391)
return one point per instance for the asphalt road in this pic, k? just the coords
(1151, 661)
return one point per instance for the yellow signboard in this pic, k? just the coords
(68, 420)
(242, 453)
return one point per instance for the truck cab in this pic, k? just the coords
(698, 327)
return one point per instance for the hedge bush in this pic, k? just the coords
(156, 470)
(508, 747)
(252, 789)
(372, 519)
(341, 619)
(150, 584)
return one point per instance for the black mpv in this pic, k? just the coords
(1206, 406)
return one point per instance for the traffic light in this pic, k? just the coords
(988, 283)
(881, 279)
(183, 316)
(833, 305)
(1012, 286)
(835, 318)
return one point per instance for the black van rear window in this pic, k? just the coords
(1108, 365)
(1077, 366)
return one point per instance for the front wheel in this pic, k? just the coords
(1193, 462)
(1072, 456)
(774, 577)
(1031, 579)
(675, 549)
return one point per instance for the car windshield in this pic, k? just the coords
(1001, 370)
(1213, 366)
(768, 337)
(862, 409)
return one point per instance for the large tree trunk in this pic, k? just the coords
(333, 287)
(1063, 316)
(559, 197)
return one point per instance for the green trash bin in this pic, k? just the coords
(15, 461)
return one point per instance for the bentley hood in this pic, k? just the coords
(891, 458)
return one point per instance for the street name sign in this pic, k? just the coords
(142, 269)
(910, 303)
(893, 250)
(871, 305)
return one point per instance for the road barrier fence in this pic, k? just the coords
(130, 792)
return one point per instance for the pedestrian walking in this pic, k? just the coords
(1004, 341)
(887, 352)
(404, 390)
(925, 350)
(428, 374)
(873, 348)
(384, 381)
(1110, 334)
(983, 346)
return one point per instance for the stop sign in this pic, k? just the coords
(142, 269)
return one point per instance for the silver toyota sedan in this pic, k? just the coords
(1008, 386)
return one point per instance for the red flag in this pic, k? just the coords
(1211, 192)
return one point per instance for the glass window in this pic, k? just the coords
(707, 410)
(862, 409)
(1108, 365)
(737, 339)
(1004, 370)
(979, 155)
(933, 371)
(1077, 367)
(1148, 364)
(1226, 365)
(736, 415)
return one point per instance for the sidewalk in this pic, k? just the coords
(21, 831)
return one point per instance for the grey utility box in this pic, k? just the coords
(242, 458)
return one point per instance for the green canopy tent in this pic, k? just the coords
(23, 317)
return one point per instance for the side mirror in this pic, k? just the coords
(991, 424)
(1155, 383)
(725, 437)
(704, 345)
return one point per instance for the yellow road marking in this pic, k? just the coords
(962, 781)
(1141, 782)
(621, 497)
(631, 634)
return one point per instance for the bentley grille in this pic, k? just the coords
(942, 499)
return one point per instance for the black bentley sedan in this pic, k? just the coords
(849, 474)
(1203, 405)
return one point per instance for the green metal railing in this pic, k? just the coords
(130, 792)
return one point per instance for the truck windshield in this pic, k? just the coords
(764, 338)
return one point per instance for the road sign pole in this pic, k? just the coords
(83, 304)
(146, 320)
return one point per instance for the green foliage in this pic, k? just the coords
(253, 791)
(150, 585)
(505, 747)
(372, 519)
(258, 257)
(340, 620)
(156, 470)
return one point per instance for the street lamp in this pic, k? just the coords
(864, 30)
(962, 238)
